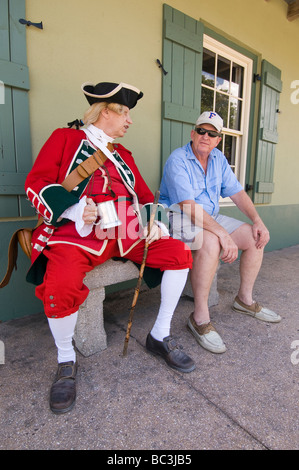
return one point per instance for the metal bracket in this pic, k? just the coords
(161, 67)
(29, 23)
(256, 77)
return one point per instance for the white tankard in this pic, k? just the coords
(108, 215)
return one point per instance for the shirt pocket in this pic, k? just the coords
(214, 187)
(199, 187)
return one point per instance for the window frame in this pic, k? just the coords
(242, 135)
(236, 45)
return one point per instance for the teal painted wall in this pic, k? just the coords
(17, 299)
(281, 221)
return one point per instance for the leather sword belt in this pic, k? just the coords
(85, 169)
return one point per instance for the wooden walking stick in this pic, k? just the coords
(137, 288)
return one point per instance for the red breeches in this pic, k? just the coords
(63, 290)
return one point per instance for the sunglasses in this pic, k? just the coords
(202, 131)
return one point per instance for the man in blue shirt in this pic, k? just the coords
(194, 178)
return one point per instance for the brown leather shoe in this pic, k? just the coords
(170, 352)
(63, 390)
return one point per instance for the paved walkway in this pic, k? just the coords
(246, 398)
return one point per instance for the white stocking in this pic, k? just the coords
(172, 285)
(63, 330)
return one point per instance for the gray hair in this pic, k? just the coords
(93, 113)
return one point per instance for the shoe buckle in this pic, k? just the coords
(66, 371)
(172, 345)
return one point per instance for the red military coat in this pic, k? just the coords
(62, 152)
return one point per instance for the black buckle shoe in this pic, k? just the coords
(63, 390)
(170, 352)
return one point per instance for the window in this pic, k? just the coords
(206, 70)
(226, 89)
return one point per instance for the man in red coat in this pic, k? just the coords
(73, 238)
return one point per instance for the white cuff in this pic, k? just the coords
(75, 213)
(162, 227)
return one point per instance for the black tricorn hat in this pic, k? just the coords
(121, 93)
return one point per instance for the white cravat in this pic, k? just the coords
(98, 134)
(100, 139)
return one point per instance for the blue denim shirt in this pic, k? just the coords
(184, 178)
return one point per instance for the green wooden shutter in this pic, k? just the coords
(15, 143)
(271, 87)
(181, 88)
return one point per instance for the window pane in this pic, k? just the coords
(230, 150)
(223, 74)
(237, 80)
(221, 107)
(226, 90)
(220, 146)
(235, 114)
(207, 99)
(208, 68)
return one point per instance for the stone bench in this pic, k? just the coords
(90, 336)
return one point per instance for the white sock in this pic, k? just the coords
(63, 330)
(172, 285)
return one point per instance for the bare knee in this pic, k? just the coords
(243, 237)
(210, 246)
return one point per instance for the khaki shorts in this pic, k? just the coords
(183, 229)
